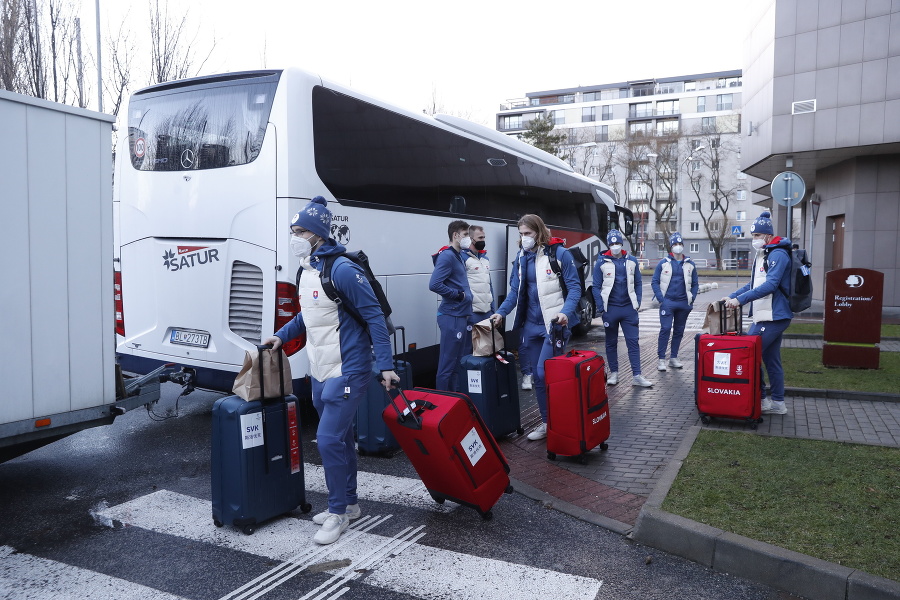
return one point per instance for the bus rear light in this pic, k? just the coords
(287, 306)
(120, 314)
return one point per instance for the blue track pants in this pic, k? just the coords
(771, 333)
(628, 318)
(672, 314)
(454, 331)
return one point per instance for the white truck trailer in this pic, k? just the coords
(57, 340)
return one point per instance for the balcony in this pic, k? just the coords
(653, 112)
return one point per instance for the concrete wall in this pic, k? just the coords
(866, 190)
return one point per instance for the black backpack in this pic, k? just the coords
(799, 292)
(359, 258)
(577, 257)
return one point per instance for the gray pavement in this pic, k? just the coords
(649, 426)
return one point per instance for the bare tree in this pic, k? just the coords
(436, 106)
(171, 52)
(120, 58)
(35, 77)
(713, 190)
(11, 17)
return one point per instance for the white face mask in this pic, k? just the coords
(527, 242)
(465, 243)
(677, 249)
(615, 248)
(300, 246)
(759, 243)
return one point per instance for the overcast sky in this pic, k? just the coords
(474, 54)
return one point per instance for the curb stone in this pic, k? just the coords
(741, 556)
(570, 509)
(841, 394)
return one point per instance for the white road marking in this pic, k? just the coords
(449, 574)
(403, 491)
(26, 577)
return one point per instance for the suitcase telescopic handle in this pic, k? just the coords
(723, 318)
(402, 330)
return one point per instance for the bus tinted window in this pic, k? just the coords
(185, 129)
(368, 154)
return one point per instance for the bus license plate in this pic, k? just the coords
(190, 338)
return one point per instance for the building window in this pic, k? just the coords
(511, 122)
(695, 207)
(595, 170)
(695, 166)
(589, 96)
(602, 134)
(605, 112)
(640, 109)
(712, 249)
(695, 248)
(741, 195)
(701, 103)
(589, 114)
(708, 125)
(714, 225)
(638, 190)
(609, 94)
(667, 127)
(741, 215)
(695, 227)
(724, 82)
(567, 99)
(667, 107)
(690, 86)
(674, 87)
(712, 185)
(713, 204)
(535, 101)
(640, 129)
(723, 101)
(558, 116)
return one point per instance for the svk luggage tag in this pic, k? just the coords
(500, 358)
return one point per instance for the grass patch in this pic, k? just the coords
(803, 369)
(887, 330)
(830, 500)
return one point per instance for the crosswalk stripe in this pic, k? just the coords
(375, 487)
(27, 577)
(445, 573)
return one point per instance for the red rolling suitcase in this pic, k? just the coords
(727, 374)
(577, 404)
(450, 447)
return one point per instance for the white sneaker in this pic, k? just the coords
(775, 408)
(353, 511)
(641, 381)
(675, 363)
(766, 405)
(539, 433)
(527, 382)
(613, 378)
(662, 365)
(331, 529)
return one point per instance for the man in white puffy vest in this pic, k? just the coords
(675, 286)
(340, 356)
(478, 270)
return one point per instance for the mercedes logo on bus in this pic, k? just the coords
(187, 159)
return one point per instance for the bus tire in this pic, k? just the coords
(586, 314)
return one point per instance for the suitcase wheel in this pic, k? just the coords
(583, 459)
(705, 419)
(217, 522)
(305, 508)
(361, 452)
(437, 499)
(487, 516)
(551, 455)
(248, 529)
(509, 489)
(520, 430)
(753, 424)
(604, 447)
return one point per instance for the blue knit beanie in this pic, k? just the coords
(675, 238)
(314, 217)
(763, 224)
(614, 237)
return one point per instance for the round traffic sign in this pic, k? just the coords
(788, 188)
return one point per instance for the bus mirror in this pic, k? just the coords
(458, 205)
(628, 224)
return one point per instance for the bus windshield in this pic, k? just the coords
(186, 129)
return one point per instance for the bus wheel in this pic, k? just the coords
(585, 314)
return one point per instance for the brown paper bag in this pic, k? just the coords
(712, 322)
(482, 333)
(266, 374)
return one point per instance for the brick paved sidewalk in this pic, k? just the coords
(649, 424)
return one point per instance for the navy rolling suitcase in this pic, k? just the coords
(257, 461)
(491, 384)
(372, 435)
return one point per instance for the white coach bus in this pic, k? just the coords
(211, 170)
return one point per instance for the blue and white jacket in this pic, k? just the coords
(663, 275)
(478, 268)
(767, 301)
(336, 344)
(450, 282)
(549, 291)
(605, 277)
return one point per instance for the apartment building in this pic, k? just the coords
(669, 146)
